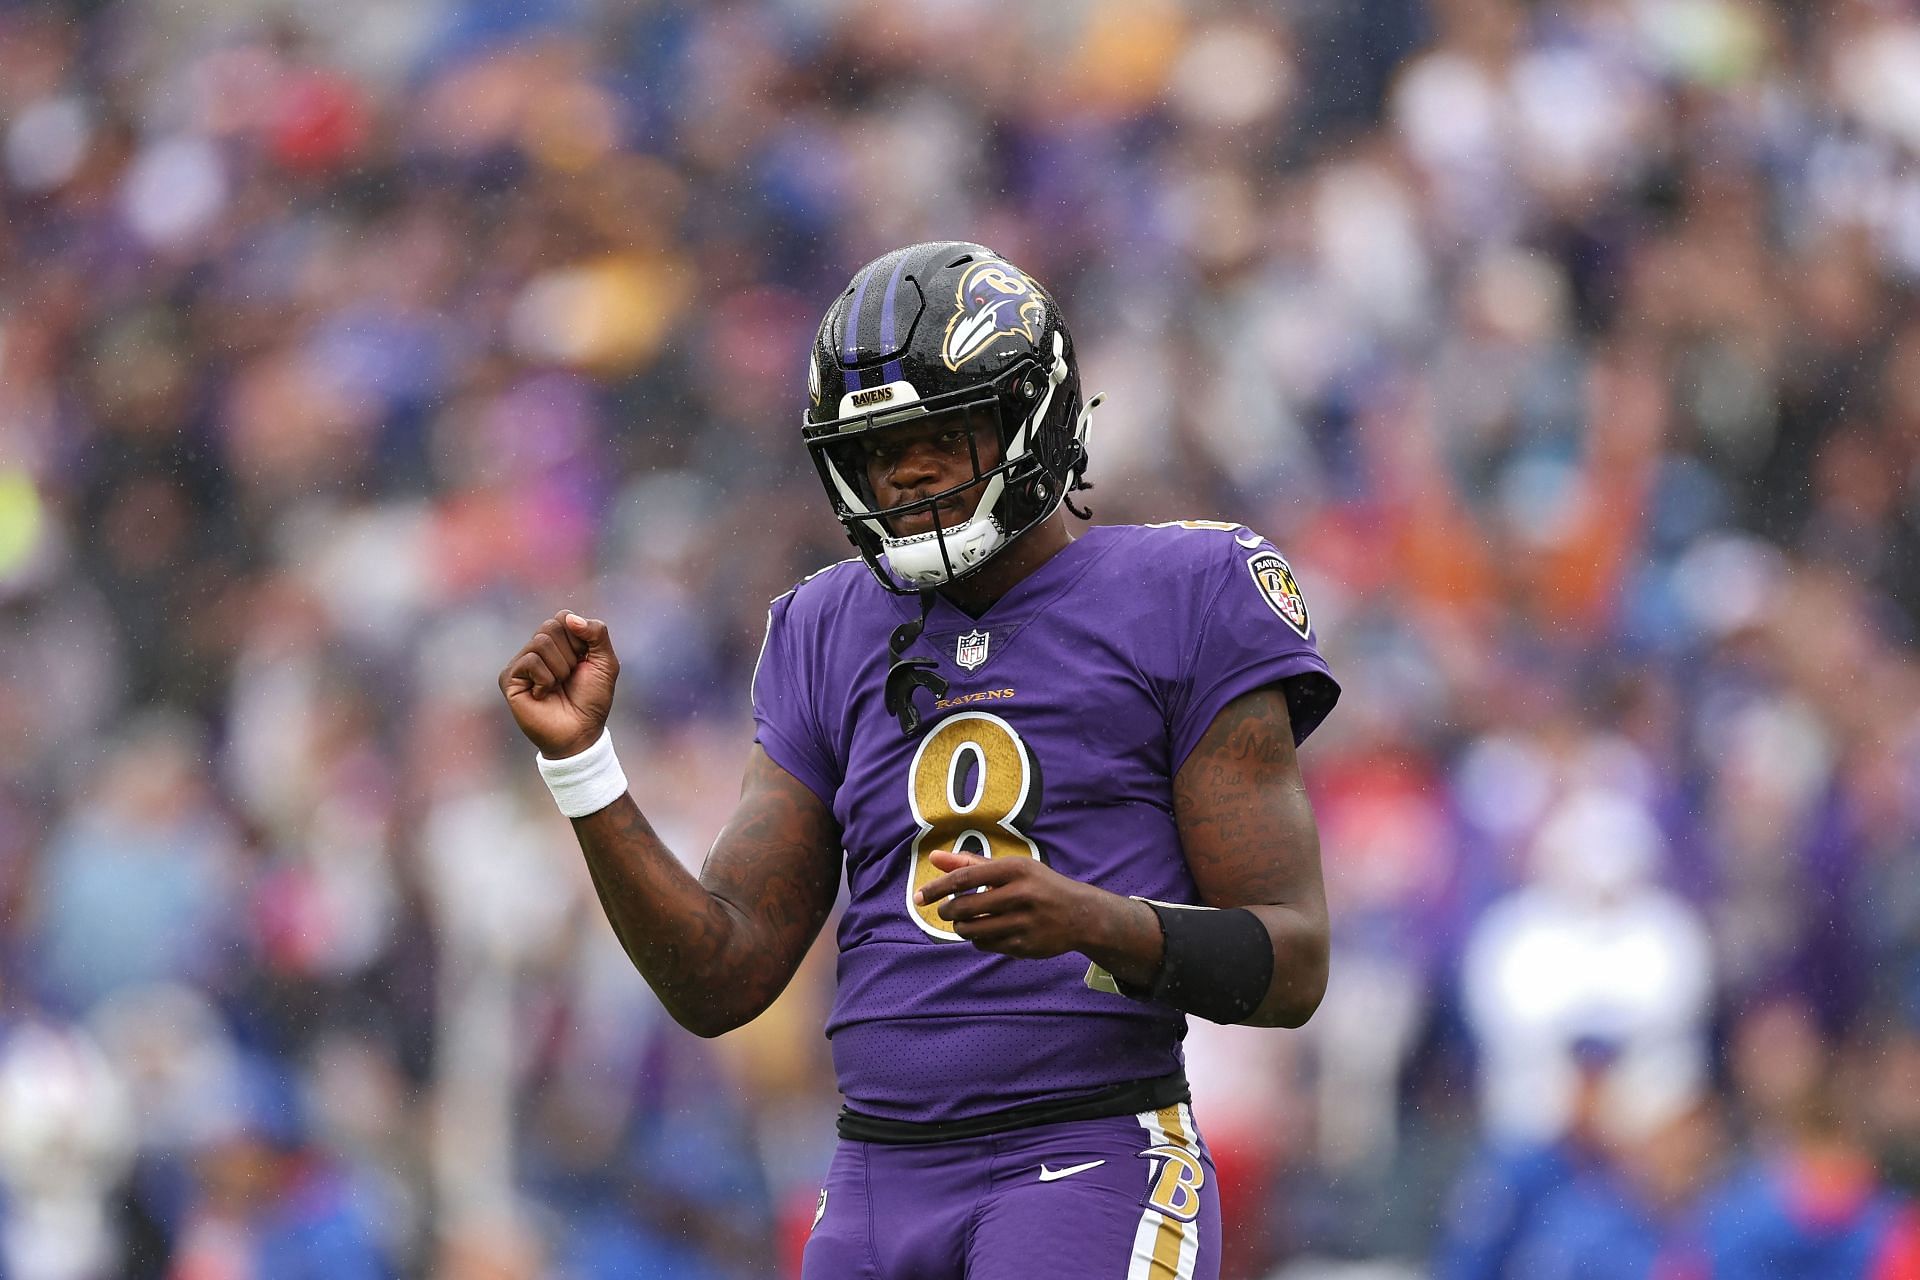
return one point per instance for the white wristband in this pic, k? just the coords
(585, 783)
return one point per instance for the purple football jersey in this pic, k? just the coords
(1072, 702)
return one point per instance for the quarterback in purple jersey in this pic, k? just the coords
(1057, 772)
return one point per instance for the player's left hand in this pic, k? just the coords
(1025, 908)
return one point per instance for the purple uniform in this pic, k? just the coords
(1073, 701)
(1124, 1198)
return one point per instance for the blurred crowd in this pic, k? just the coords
(1569, 350)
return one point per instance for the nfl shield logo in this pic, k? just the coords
(972, 650)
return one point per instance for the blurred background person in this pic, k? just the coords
(1592, 950)
(1806, 1198)
(262, 1201)
(66, 1139)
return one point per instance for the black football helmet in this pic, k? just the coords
(949, 330)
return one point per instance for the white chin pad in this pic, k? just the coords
(918, 562)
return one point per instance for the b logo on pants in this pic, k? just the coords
(1177, 1180)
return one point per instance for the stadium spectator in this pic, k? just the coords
(1593, 949)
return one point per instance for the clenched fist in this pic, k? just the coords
(560, 686)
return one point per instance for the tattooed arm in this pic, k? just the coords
(719, 949)
(1250, 841)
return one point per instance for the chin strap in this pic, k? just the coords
(907, 674)
(1075, 482)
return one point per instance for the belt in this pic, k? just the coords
(1125, 1099)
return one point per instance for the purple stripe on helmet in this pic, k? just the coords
(891, 371)
(853, 331)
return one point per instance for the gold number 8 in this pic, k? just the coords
(1006, 794)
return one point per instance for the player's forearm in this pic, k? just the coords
(1300, 947)
(1123, 937)
(696, 950)
(1291, 908)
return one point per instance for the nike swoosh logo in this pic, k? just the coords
(1053, 1175)
(1249, 543)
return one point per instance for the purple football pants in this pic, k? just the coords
(1126, 1198)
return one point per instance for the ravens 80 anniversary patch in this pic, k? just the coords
(1274, 577)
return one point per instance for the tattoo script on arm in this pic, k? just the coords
(1248, 832)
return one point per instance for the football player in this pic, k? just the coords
(1058, 773)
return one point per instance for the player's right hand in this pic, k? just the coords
(560, 686)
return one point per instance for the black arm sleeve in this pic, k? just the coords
(1216, 963)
